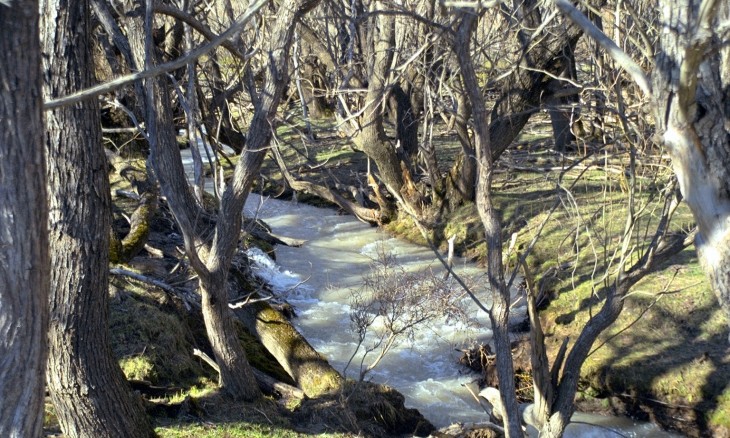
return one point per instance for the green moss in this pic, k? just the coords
(137, 237)
(151, 339)
(310, 370)
(138, 368)
(260, 358)
(324, 383)
(115, 250)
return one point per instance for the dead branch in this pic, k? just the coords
(614, 51)
(187, 299)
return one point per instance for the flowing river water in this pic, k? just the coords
(318, 278)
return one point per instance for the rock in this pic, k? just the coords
(469, 430)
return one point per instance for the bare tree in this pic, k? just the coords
(24, 262)
(499, 311)
(555, 386)
(211, 256)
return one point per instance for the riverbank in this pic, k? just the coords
(666, 358)
(664, 361)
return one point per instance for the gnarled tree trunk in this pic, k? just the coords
(691, 86)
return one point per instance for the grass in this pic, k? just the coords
(235, 430)
(666, 355)
(669, 344)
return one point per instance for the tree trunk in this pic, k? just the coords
(463, 175)
(691, 90)
(525, 90)
(228, 224)
(24, 263)
(563, 107)
(88, 389)
(235, 374)
(406, 123)
(371, 136)
(499, 311)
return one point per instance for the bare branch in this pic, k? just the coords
(117, 83)
(618, 55)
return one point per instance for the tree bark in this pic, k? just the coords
(526, 89)
(499, 311)
(24, 262)
(236, 377)
(691, 86)
(370, 137)
(228, 224)
(88, 389)
(562, 109)
(463, 175)
(406, 120)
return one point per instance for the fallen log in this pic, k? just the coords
(312, 373)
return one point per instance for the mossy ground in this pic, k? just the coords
(666, 357)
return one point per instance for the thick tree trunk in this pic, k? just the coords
(24, 263)
(88, 389)
(236, 377)
(235, 374)
(562, 108)
(371, 137)
(691, 91)
(212, 265)
(525, 90)
(228, 224)
(463, 175)
(406, 123)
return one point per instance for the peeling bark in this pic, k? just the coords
(691, 86)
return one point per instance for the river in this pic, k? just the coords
(318, 279)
